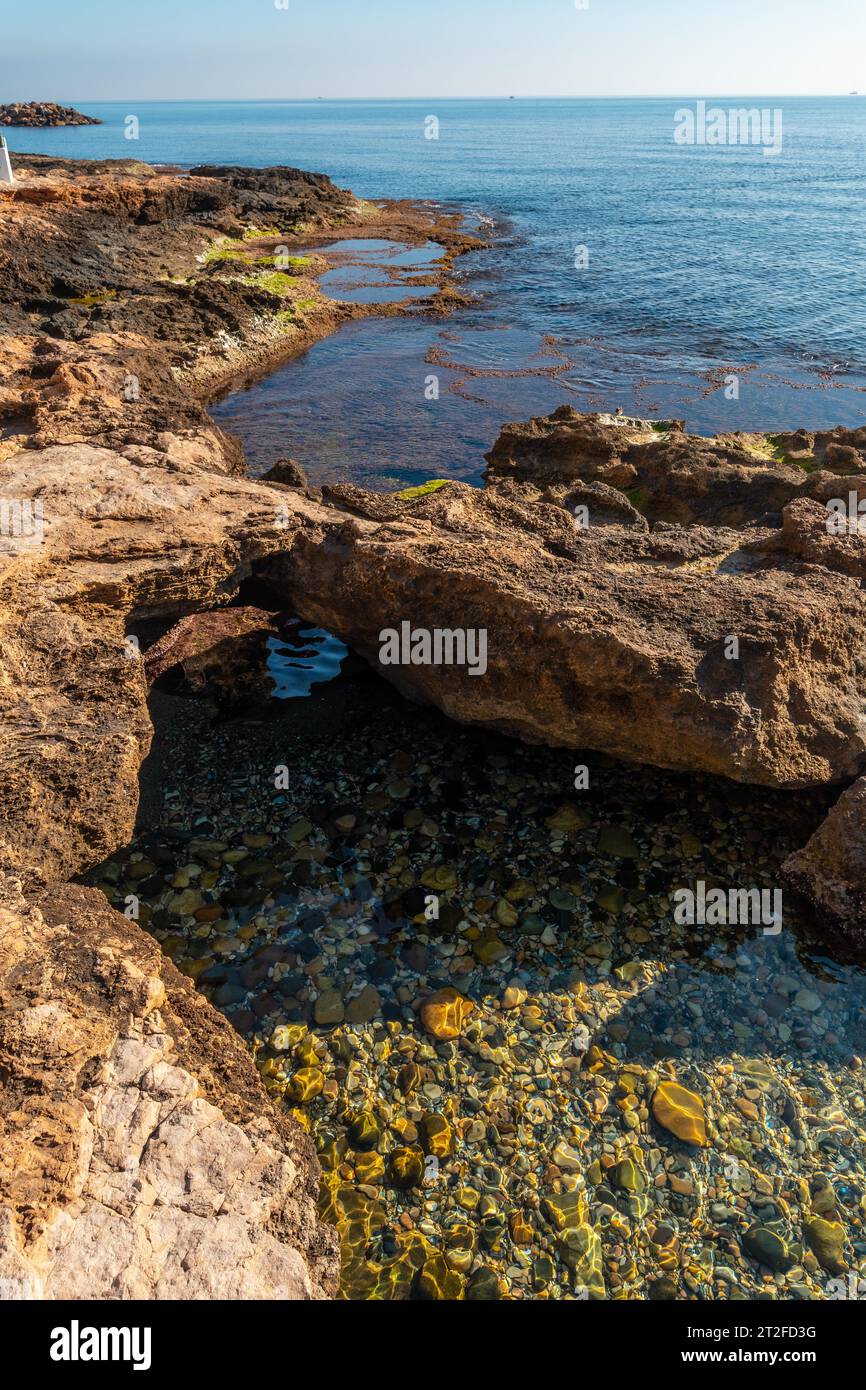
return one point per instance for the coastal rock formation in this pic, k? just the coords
(140, 1156)
(128, 538)
(736, 481)
(132, 295)
(689, 648)
(662, 598)
(610, 638)
(134, 1122)
(204, 645)
(42, 113)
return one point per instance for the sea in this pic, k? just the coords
(715, 284)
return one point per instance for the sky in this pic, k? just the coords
(79, 50)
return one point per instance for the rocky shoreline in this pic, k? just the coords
(112, 347)
(135, 296)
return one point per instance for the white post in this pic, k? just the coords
(6, 175)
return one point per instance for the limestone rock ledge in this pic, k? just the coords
(140, 1157)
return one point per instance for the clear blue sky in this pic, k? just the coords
(118, 50)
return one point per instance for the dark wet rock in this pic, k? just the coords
(768, 1248)
(287, 472)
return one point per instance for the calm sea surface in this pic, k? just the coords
(703, 262)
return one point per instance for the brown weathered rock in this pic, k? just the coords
(681, 1112)
(613, 637)
(288, 472)
(42, 113)
(445, 1013)
(222, 654)
(605, 638)
(140, 1157)
(735, 480)
(126, 538)
(831, 869)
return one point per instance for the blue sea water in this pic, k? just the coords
(703, 262)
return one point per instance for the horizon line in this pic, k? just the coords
(500, 96)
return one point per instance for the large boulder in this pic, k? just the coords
(689, 648)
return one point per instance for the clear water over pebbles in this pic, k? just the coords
(465, 979)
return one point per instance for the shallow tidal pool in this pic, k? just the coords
(465, 979)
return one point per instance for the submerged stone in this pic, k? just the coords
(767, 1248)
(826, 1240)
(445, 1013)
(614, 840)
(364, 1130)
(365, 1006)
(565, 1210)
(437, 1281)
(305, 1085)
(681, 1112)
(329, 1008)
(568, 820)
(406, 1167)
(628, 1176)
(437, 1136)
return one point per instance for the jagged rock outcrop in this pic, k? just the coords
(140, 1157)
(42, 113)
(737, 480)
